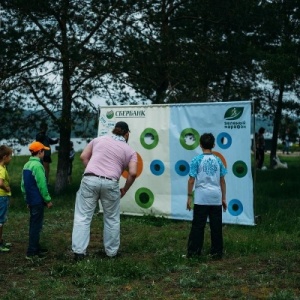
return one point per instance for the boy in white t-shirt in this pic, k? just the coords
(207, 174)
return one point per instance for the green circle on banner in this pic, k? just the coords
(189, 139)
(144, 198)
(149, 134)
(239, 168)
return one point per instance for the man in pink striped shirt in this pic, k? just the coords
(105, 158)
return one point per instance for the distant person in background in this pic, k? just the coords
(5, 193)
(43, 138)
(286, 142)
(254, 148)
(260, 148)
(71, 158)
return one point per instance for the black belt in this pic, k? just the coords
(92, 174)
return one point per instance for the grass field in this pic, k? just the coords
(261, 262)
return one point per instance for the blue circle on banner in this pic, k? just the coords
(157, 167)
(182, 168)
(224, 140)
(235, 207)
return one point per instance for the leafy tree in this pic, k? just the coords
(279, 62)
(150, 50)
(57, 56)
(193, 51)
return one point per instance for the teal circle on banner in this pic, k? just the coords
(157, 167)
(224, 140)
(235, 207)
(182, 168)
(239, 169)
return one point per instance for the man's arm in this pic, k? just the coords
(132, 171)
(86, 154)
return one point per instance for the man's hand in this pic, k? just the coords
(123, 192)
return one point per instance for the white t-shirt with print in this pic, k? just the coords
(207, 169)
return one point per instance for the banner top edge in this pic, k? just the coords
(178, 104)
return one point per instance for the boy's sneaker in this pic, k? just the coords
(43, 250)
(216, 256)
(4, 249)
(79, 256)
(34, 257)
(118, 255)
(5, 244)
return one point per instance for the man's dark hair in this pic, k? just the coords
(207, 141)
(121, 128)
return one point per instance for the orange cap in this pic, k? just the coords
(37, 146)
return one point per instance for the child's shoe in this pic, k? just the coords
(35, 257)
(43, 250)
(3, 248)
(5, 244)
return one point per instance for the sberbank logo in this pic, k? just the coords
(110, 114)
(233, 113)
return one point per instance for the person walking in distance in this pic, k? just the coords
(71, 159)
(104, 158)
(260, 148)
(207, 174)
(47, 141)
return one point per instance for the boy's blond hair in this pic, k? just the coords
(4, 151)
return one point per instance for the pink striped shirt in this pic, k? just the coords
(109, 157)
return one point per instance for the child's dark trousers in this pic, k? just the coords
(35, 227)
(196, 237)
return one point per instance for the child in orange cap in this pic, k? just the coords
(34, 187)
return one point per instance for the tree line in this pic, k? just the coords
(57, 55)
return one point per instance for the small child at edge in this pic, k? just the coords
(5, 193)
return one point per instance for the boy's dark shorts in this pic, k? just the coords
(47, 159)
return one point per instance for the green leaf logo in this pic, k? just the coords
(110, 114)
(233, 113)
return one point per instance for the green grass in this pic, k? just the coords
(261, 262)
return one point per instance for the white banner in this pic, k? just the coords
(166, 138)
